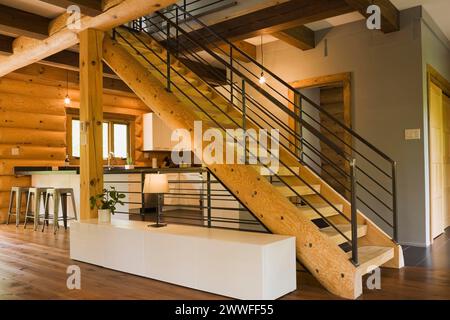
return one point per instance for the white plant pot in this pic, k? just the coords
(104, 216)
(129, 166)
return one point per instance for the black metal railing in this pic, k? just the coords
(195, 197)
(268, 106)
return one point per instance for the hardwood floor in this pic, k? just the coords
(33, 266)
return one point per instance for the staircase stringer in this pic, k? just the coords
(329, 264)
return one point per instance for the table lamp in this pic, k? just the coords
(157, 184)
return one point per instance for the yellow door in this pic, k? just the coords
(446, 110)
(437, 168)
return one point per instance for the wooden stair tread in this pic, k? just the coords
(301, 189)
(370, 256)
(325, 209)
(345, 229)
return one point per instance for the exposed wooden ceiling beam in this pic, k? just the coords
(116, 12)
(6, 44)
(248, 48)
(390, 16)
(273, 19)
(53, 76)
(300, 37)
(90, 8)
(70, 60)
(23, 23)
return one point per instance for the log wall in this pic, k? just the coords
(33, 119)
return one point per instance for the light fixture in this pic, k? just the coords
(67, 100)
(156, 184)
(262, 79)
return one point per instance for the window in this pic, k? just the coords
(116, 137)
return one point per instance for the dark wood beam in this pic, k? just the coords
(22, 23)
(90, 8)
(390, 16)
(300, 37)
(70, 60)
(210, 74)
(6, 43)
(54, 76)
(270, 20)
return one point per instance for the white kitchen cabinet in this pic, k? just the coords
(157, 135)
(191, 183)
(170, 201)
(130, 185)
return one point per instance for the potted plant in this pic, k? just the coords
(106, 203)
(129, 163)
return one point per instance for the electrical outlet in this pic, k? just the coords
(412, 134)
(15, 151)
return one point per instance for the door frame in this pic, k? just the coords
(433, 76)
(339, 78)
(345, 79)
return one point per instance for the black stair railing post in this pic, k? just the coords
(231, 75)
(176, 31)
(300, 130)
(394, 201)
(354, 214)
(168, 56)
(244, 118)
(208, 196)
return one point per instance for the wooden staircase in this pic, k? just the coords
(276, 205)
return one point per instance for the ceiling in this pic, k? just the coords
(439, 10)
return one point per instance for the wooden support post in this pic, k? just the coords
(91, 117)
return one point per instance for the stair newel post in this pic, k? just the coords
(168, 56)
(394, 201)
(208, 196)
(354, 215)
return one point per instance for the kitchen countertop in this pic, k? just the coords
(31, 170)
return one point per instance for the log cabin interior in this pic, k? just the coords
(206, 149)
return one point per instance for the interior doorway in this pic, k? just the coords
(439, 152)
(333, 94)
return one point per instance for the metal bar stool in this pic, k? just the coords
(16, 194)
(34, 201)
(59, 196)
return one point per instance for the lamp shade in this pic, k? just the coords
(156, 183)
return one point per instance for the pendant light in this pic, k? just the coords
(67, 100)
(262, 79)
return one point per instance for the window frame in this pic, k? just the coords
(111, 118)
